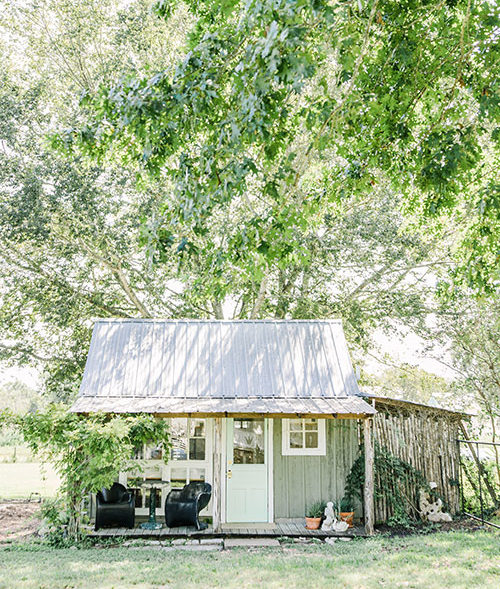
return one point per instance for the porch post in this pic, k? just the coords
(217, 488)
(368, 490)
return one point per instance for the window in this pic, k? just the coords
(304, 437)
(189, 461)
(188, 439)
(248, 441)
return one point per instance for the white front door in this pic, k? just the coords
(246, 470)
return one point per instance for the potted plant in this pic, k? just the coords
(346, 511)
(314, 514)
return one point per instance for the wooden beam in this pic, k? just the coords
(248, 415)
(217, 478)
(368, 490)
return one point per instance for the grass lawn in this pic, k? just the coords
(453, 559)
(19, 479)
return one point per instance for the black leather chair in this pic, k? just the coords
(183, 505)
(115, 506)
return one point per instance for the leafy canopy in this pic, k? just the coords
(291, 105)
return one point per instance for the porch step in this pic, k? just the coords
(250, 542)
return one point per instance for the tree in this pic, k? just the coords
(88, 452)
(71, 245)
(413, 384)
(471, 330)
(286, 108)
(19, 397)
(69, 232)
(81, 240)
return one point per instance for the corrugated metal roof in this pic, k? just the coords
(158, 363)
(319, 406)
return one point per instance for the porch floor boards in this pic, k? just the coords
(290, 529)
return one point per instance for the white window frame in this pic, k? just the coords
(286, 450)
(165, 472)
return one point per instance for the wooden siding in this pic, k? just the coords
(300, 480)
(426, 439)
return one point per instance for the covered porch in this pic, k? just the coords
(277, 488)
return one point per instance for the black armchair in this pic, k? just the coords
(115, 506)
(183, 505)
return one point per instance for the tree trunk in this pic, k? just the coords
(368, 491)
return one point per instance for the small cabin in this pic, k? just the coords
(268, 412)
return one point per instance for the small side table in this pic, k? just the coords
(152, 524)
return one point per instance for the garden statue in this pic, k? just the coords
(431, 507)
(330, 522)
(329, 517)
(340, 526)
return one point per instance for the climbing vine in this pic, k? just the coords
(396, 481)
(87, 451)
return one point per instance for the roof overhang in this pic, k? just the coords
(351, 407)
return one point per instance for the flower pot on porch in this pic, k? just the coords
(313, 523)
(348, 517)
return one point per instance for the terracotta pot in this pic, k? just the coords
(348, 517)
(313, 523)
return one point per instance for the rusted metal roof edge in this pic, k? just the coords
(404, 402)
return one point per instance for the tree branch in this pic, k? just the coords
(259, 301)
(23, 350)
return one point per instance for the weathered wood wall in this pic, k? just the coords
(301, 480)
(425, 438)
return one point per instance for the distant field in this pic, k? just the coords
(19, 479)
(15, 454)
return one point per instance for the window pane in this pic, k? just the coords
(197, 428)
(139, 452)
(295, 425)
(154, 453)
(178, 433)
(179, 452)
(311, 439)
(196, 449)
(311, 424)
(248, 441)
(296, 440)
(178, 477)
(197, 474)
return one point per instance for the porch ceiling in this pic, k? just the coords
(347, 407)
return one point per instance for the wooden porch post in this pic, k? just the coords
(368, 490)
(217, 466)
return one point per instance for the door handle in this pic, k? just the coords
(229, 474)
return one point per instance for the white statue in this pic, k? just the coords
(330, 522)
(340, 526)
(329, 517)
(430, 509)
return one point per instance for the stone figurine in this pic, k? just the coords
(327, 525)
(431, 509)
(330, 522)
